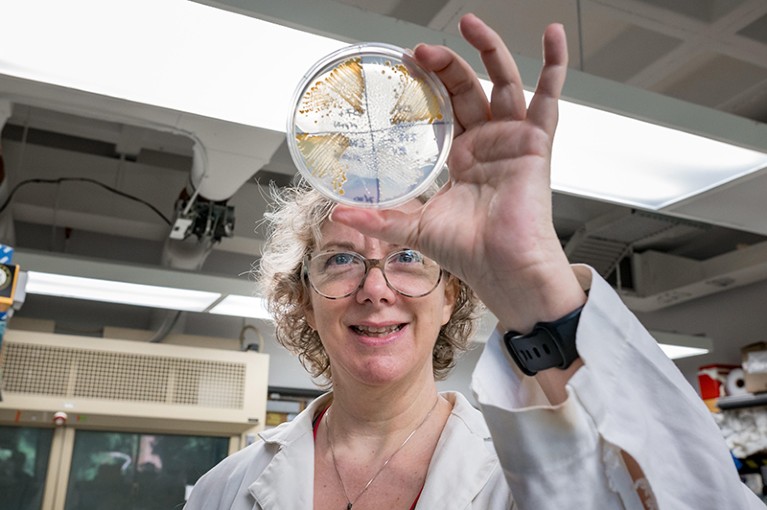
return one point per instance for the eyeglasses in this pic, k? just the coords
(336, 275)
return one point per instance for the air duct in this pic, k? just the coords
(658, 279)
(604, 241)
(662, 280)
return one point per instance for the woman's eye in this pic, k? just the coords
(340, 259)
(408, 257)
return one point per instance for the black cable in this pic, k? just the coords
(81, 179)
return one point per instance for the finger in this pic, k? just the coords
(507, 98)
(390, 225)
(544, 108)
(470, 104)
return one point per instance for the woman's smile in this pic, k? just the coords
(377, 331)
(377, 335)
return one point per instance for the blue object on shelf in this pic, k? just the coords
(738, 463)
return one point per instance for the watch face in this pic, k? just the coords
(370, 127)
(6, 277)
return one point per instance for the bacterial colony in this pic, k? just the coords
(368, 132)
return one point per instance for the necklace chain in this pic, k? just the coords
(350, 502)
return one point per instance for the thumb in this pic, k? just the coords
(390, 225)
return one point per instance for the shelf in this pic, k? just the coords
(740, 401)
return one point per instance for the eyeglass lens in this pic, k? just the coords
(339, 274)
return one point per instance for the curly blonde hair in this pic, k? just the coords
(294, 222)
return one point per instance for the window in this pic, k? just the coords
(24, 453)
(132, 471)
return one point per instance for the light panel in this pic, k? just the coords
(173, 54)
(107, 291)
(242, 306)
(614, 158)
(679, 351)
(677, 345)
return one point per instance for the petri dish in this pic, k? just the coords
(369, 126)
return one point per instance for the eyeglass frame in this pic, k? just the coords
(369, 264)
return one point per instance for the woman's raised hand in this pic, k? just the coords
(491, 224)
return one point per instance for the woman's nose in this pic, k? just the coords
(374, 287)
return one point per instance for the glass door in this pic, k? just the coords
(24, 457)
(138, 471)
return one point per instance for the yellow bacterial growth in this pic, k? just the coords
(416, 103)
(322, 154)
(344, 84)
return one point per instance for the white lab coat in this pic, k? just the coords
(278, 471)
(628, 396)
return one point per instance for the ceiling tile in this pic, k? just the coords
(630, 51)
(704, 10)
(756, 30)
(712, 80)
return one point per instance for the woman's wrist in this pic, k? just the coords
(545, 297)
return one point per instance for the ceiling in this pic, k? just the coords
(700, 53)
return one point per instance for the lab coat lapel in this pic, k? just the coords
(463, 461)
(288, 480)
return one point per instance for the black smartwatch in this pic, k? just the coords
(548, 345)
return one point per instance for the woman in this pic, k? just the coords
(358, 295)
(381, 337)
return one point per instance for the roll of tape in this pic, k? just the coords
(736, 382)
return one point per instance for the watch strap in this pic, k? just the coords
(548, 345)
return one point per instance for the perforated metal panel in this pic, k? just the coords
(90, 373)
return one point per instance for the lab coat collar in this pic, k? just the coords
(288, 480)
(463, 462)
(461, 466)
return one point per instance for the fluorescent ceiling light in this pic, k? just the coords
(92, 289)
(242, 306)
(676, 345)
(618, 159)
(189, 57)
(173, 54)
(678, 351)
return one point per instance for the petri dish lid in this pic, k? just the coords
(369, 126)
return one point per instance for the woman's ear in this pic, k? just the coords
(452, 288)
(309, 314)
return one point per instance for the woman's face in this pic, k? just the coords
(376, 335)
